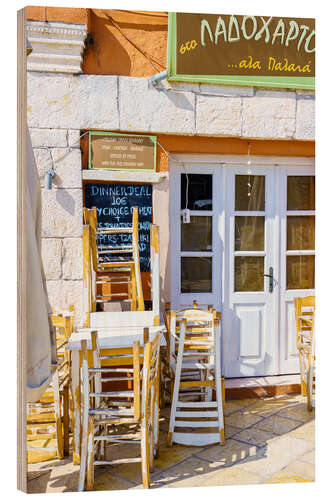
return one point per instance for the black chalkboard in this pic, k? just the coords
(114, 203)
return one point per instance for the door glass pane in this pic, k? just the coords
(249, 274)
(196, 190)
(196, 274)
(249, 233)
(300, 271)
(250, 192)
(301, 232)
(300, 192)
(197, 235)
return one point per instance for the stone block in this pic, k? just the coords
(148, 109)
(67, 164)
(226, 90)
(72, 259)
(62, 294)
(52, 138)
(218, 115)
(43, 161)
(305, 119)
(62, 213)
(73, 102)
(49, 100)
(269, 115)
(73, 138)
(51, 258)
(95, 102)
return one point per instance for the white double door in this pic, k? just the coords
(248, 250)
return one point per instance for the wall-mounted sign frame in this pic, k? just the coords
(114, 151)
(242, 50)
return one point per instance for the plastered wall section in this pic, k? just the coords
(60, 105)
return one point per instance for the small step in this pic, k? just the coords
(254, 387)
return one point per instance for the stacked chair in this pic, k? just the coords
(48, 418)
(114, 415)
(305, 343)
(116, 265)
(194, 343)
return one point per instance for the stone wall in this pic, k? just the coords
(61, 215)
(133, 104)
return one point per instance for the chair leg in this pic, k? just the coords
(223, 394)
(222, 431)
(303, 382)
(66, 420)
(145, 454)
(90, 453)
(57, 415)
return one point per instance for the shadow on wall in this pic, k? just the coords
(66, 201)
(119, 41)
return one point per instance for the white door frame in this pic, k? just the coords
(218, 165)
(288, 361)
(250, 318)
(178, 299)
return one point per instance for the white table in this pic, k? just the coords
(108, 338)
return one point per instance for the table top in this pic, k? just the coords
(108, 338)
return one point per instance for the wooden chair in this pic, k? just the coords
(117, 266)
(49, 417)
(195, 361)
(109, 414)
(304, 315)
(311, 370)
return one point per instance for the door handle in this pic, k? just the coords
(271, 278)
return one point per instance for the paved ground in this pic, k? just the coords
(269, 440)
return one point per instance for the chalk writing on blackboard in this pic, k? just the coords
(114, 205)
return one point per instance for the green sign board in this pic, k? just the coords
(242, 50)
(113, 151)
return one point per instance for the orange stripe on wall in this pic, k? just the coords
(222, 145)
(216, 145)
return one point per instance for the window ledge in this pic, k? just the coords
(124, 176)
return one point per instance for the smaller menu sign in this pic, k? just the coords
(112, 151)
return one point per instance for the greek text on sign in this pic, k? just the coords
(111, 151)
(248, 50)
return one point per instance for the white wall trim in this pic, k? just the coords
(56, 47)
(124, 176)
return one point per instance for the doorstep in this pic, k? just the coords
(258, 387)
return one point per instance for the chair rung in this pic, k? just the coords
(195, 423)
(111, 394)
(115, 250)
(121, 438)
(118, 461)
(196, 414)
(113, 379)
(106, 370)
(110, 412)
(197, 404)
(111, 295)
(196, 439)
(114, 230)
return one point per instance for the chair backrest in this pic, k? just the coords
(150, 376)
(63, 327)
(117, 374)
(199, 333)
(304, 315)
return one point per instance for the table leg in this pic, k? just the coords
(76, 391)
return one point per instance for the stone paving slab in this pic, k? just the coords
(268, 440)
(278, 425)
